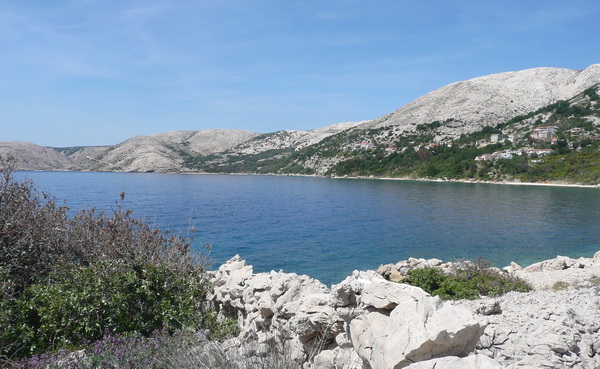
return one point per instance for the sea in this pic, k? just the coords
(326, 228)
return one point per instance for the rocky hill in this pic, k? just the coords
(287, 139)
(164, 152)
(470, 105)
(442, 116)
(35, 157)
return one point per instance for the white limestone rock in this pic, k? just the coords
(489, 100)
(402, 324)
(543, 329)
(453, 362)
(363, 322)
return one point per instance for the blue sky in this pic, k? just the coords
(96, 72)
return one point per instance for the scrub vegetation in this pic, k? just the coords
(470, 280)
(90, 279)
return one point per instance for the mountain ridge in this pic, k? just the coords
(456, 109)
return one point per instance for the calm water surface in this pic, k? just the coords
(327, 228)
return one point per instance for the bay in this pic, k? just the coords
(327, 228)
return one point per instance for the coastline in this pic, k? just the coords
(438, 180)
(510, 183)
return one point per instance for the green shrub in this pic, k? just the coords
(594, 280)
(66, 280)
(36, 235)
(84, 303)
(470, 281)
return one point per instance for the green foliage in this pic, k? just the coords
(429, 126)
(66, 280)
(84, 303)
(220, 329)
(36, 235)
(560, 286)
(592, 93)
(468, 282)
(595, 280)
(582, 167)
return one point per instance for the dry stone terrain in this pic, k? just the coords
(489, 100)
(370, 322)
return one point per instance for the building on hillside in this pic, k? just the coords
(391, 149)
(366, 146)
(484, 157)
(538, 152)
(544, 133)
(497, 137)
(504, 154)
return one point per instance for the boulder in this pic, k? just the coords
(453, 362)
(363, 322)
(402, 324)
(559, 263)
(382, 294)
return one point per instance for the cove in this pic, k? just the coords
(327, 228)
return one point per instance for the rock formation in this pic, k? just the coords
(369, 322)
(363, 322)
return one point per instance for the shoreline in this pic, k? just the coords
(546, 184)
(510, 183)
(438, 180)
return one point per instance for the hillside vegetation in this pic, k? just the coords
(513, 150)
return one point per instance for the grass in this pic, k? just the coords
(560, 286)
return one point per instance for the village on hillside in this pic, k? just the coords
(536, 144)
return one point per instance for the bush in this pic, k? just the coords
(469, 281)
(36, 235)
(560, 286)
(111, 352)
(84, 303)
(66, 280)
(182, 350)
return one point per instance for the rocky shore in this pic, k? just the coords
(370, 321)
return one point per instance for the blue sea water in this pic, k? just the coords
(327, 228)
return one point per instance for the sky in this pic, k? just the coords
(97, 72)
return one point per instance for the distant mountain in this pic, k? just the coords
(290, 139)
(34, 157)
(163, 152)
(441, 117)
(470, 105)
